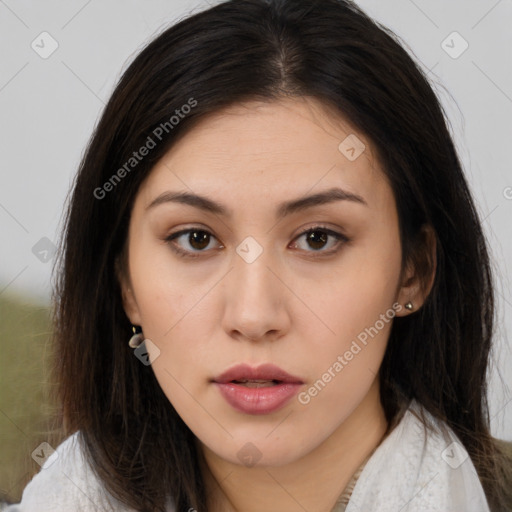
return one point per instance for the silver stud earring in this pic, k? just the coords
(136, 340)
(408, 305)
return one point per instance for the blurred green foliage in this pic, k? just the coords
(25, 405)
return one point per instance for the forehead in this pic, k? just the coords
(291, 146)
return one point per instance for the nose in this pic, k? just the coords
(256, 301)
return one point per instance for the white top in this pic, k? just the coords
(411, 472)
(66, 483)
(408, 472)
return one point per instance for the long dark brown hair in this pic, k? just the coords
(243, 50)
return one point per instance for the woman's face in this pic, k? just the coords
(230, 263)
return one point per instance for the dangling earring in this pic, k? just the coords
(137, 339)
(408, 305)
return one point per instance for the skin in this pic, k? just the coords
(295, 305)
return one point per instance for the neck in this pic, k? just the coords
(313, 482)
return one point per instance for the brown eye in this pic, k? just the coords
(199, 239)
(317, 239)
(192, 242)
(321, 240)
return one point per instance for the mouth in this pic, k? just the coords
(265, 374)
(256, 383)
(259, 390)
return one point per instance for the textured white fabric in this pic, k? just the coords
(408, 472)
(66, 483)
(414, 472)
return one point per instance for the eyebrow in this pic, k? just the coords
(284, 209)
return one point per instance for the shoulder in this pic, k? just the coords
(66, 482)
(419, 467)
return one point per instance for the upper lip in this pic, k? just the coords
(262, 372)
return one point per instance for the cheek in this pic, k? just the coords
(360, 289)
(343, 366)
(176, 312)
(357, 306)
(164, 293)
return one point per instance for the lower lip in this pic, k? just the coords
(258, 400)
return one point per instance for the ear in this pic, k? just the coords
(418, 277)
(129, 303)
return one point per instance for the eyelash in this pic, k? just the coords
(341, 239)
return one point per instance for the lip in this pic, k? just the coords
(262, 372)
(257, 400)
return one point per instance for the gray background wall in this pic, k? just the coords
(49, 107)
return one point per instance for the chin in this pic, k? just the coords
(259, 450)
